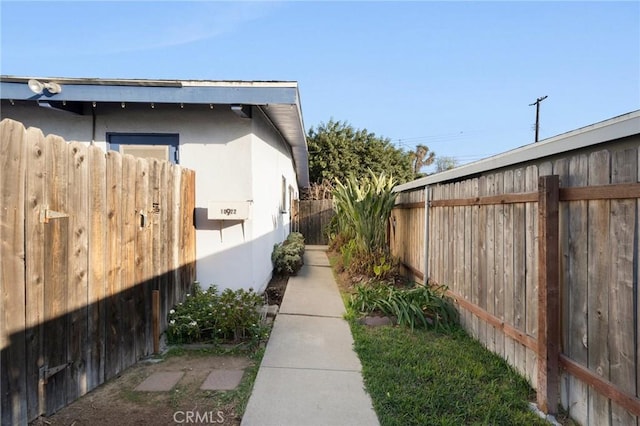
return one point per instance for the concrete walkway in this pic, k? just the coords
(310, 374)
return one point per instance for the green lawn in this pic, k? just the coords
(424, 377)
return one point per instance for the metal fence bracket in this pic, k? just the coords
(46, 214)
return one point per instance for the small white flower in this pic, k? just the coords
(172, 311)
(188, 294)
(193, 323)
(172, 322)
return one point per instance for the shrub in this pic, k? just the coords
(208, 316)
(359, 230)
(287, 257)
(416, 306)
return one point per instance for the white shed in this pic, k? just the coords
(245, 141)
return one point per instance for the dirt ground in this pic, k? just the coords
(116, 402)
(275, 290)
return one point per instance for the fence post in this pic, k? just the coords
(548, 294)
(426, 235)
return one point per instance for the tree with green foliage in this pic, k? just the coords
(338, 151)
(446, 163)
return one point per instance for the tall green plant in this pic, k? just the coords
(420, 306)
(363, 208)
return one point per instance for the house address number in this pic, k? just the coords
(228, 210)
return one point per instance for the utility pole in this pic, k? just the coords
(537, 104)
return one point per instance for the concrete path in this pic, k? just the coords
(310, 374)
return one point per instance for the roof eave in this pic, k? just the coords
(283, 97)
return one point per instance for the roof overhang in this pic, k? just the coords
(615, 128)
(280, 100)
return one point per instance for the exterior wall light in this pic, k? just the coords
(38, 87)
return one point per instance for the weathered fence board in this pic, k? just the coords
(530, 302)
(114, 264)
(509, 288)
(577, 280)
(56, 325)
(76, 265)
(561, 168)
(142, 261)
(474, 253)
(13, 385)
(624, 169)
(96, 288)
(34, 263)
(490, 298)
(481, 255)
(499, 290)
(597, 277)
(129, 231)
(465, 190)
(519, 270)
(165, 285)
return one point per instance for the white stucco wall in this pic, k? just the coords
(272, 162)
(235, 159)
(72, 127)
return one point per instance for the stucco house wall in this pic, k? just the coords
(235, 159)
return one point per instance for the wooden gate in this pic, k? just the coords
(313, 218)
(85, 238)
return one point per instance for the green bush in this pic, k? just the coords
(287, 257)
(359, 230)
(417, 306)
(207, 316)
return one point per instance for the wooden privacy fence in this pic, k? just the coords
(86, 237)
(544, 271)
(312, 219)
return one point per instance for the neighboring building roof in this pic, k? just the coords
(279, 100)
(604, 131)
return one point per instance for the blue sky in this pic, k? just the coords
(456, 76)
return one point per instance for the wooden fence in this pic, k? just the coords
(491, 240)
(312, 218)
(86, 237)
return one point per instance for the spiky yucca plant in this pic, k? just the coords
(363, 209)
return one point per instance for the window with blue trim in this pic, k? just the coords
(162, 146)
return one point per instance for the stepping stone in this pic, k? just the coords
(375, 321)
(160, 382)
(222, 380)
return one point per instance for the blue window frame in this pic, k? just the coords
(172, 140)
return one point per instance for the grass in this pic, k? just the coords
(431, 377)
(425, 377)
(240, 395)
